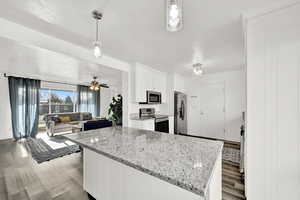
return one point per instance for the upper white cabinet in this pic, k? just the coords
(146, 78)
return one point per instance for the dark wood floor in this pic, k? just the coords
(21, 178)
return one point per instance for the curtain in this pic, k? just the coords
(24, 103)
(88, 100)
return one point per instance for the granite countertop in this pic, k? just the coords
(180, 160)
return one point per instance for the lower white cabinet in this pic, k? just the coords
(171, 124)
(148, 124)
(107, 179)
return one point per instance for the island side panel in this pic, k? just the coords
(107, 179)
(215, 185)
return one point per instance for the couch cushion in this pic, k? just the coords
(62, 126)
(86, 116)
(74, 116)
(96, 124)
(65, 119)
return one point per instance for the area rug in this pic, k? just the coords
(231, 154)
(48, 148)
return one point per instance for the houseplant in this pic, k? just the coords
(115, 110)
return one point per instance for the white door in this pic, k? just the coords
(207, 111)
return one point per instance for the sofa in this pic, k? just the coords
(63, 122)
(96, 124)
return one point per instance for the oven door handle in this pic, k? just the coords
(161, 120)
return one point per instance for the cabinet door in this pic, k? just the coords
(143, 82)
(160, 84)
(156, 81)
(149, 125)
(143, 124)
(171, 124)
(163, 87)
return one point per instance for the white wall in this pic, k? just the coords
(106, 95)
(5, 112)
(235, 99)
(179, 83)
(273, 105)
(125, 93)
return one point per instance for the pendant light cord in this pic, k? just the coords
(97, 32)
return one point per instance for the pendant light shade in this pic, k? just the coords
(174, 15)
(97, 44)
(97, 50)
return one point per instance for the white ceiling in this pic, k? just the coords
(134, 31)
(33, 62)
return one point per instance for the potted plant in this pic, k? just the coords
(115, 110)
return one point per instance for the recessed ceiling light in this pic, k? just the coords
(198, 69)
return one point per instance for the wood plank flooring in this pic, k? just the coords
(21, 178)
(233, 187)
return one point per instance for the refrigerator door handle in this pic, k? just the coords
(182, 110)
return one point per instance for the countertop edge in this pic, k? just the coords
(214, 167)
(192, 189)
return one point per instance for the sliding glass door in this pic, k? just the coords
(55, 101)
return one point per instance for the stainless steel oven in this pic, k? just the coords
(162, 124)
(153, 97)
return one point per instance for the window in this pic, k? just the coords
(57, 101)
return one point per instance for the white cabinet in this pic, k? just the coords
(171, 124)
(107, 179)
(148, 124)
(142, 83)
(159, 84)
(146, 78)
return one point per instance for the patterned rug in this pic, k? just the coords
(231, 154)
(45, 148)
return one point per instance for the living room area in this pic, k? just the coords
(59, 100)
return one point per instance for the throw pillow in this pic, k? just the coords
(65, 119)
(87, 116)
(55, 119)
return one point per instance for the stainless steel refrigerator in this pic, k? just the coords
(180, 113)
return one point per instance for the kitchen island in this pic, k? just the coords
(132, 164)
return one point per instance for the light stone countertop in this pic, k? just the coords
(186, 162)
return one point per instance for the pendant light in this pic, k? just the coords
(97, 44)
(198, 69)
(174, 15)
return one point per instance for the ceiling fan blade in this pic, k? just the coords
(104, 85)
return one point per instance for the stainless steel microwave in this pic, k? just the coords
(153, 97)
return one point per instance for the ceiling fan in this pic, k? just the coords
(95, 85)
